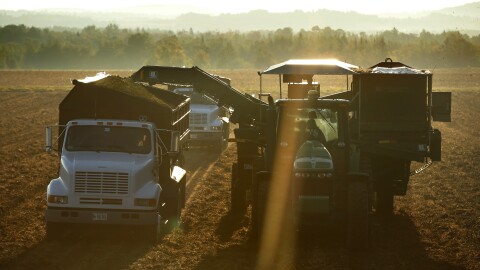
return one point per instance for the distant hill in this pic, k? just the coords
(467, 10)
(465, 18)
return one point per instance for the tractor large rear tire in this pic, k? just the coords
(358, 216)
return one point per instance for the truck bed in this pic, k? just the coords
(114, 97)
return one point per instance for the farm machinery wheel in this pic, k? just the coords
(238, 202)
(260, 194)
(385, 199)
(358, 215)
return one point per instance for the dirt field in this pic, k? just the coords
(436, 226)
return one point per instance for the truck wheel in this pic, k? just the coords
(171, 210)
(222, 145)
(175, 218)
(385, 199)
(358, 216)
(155, 233)
(237, 193)
(180, 160)
(225, 136)
(183, 193)
(54, 231)
(260, 190)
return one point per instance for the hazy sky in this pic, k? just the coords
(225, 6)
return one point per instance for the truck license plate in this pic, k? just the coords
(99, 216)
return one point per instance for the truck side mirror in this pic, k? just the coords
(175, 142)
(48, 139)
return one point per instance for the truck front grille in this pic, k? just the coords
(101, 183)
(198, 118)
(101, 201)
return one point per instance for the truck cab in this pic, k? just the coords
(209, 123)
(119, 145)
(109, 174)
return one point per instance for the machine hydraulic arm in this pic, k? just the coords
(247, 110)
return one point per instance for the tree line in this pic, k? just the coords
(111, 47)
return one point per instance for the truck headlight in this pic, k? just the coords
(146, 202)
(58, 199)
(216, 128)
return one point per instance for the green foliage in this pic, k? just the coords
(169, 52)
(11, 56)
(115, 48)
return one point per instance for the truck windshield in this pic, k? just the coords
(108, 139)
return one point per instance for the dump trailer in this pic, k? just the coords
(322, 159)
(120, 143)
(392, 110)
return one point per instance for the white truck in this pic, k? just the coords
(119, 142)
(209, 123)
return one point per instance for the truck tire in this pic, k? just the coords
(225, 136)
(385, 199)
(222, 144)
(177, 211)
(358, 216)
(154, 233)
(54, 231)
(180, 161)
(183, 193)
(260, 194)
(172, 210)
(237, 193)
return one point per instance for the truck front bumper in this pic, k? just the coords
(205, 137)
(100, 216)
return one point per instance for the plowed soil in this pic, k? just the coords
(436, 226)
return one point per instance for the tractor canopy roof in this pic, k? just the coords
(311, 66)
